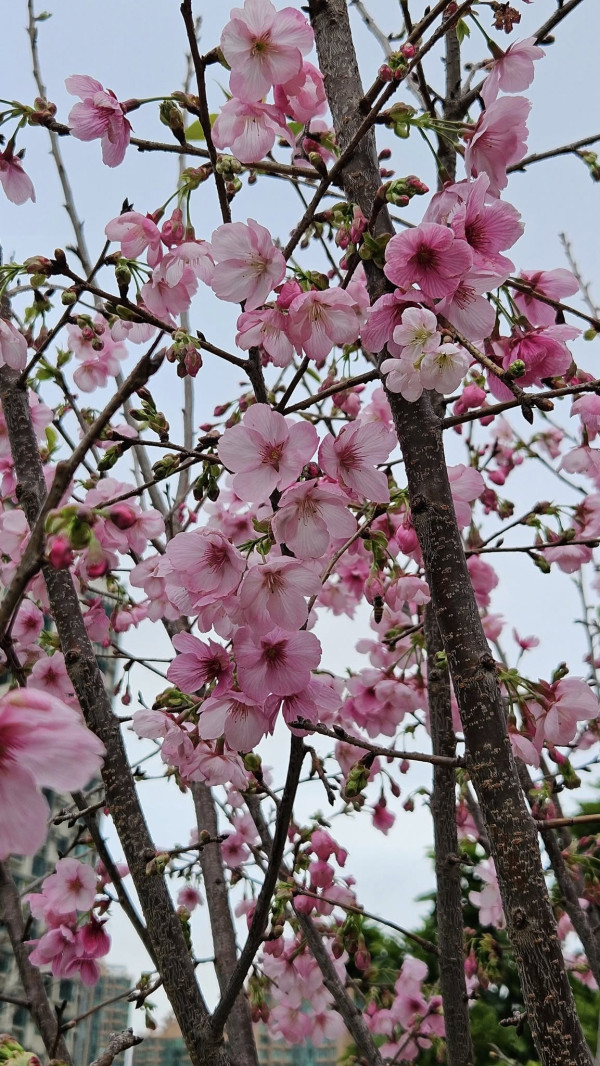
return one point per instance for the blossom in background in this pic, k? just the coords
(13, 346)
(513, 71)
(43, 744)
(100, 115)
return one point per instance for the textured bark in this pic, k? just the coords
(169, 948)
(239, 1031)
(31, 978)
(459, 1047)
(513, 837)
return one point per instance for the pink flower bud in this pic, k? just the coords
(60, 554)
(122, 516)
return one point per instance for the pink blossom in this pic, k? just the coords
(403, 376)
(201, 567)
(383, 317)
(199, 664)
(218, 768)
(303, 97)
(264, 47)
(43, 744)
(483, 578)
(189, 897)
(320, 319)
(383, 819)
(513, 71)
(466, 485)
(444, 369)
(236, 716)
(573, 702)
(71, 888)
(310, 517)
(488, 901)
(273, 594)
(553, 283)
(248, 263)
(498, 140)
(265, 328)
(429, 256)
(249, 129)
(100, 115)
(349, 459)
(119, 529)
(94, 941)
(28, 624)
(266, 452)
(543, 350)
(588, 409)
(17, 185)
(136, 232)
(50, 675)
(174, 280)
(280, 662)
(13, 346)
(417, 333)
(488, 225)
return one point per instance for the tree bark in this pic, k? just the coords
(459, 1047)
(239, 1031)
(530, 922)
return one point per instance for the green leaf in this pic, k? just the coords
(462, 30)
(194, 131)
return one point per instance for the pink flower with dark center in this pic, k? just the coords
(310, 516)
(487, 224)
(467, 309)
(279, 662)
(349, 459)
(249, 129)
(248, 263)
(43, 744)
(266, 452)
(50, 675)
(513, 71)
(199, 664)
(543, 351)
(93, 939)
(266, 329)
(136, 232)
(498, 140)
(235, 716)
(99, 116)
(429, 256)
(273, 594)
(17, 185)
(13, 346)
(189, 897)
(553, 283)
(203, 565)
(303, 97)
(318, 320)
(264, 47)
(71, 888)
(28, 624)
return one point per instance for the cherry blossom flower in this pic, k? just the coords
(100, 115)
(200, 567)
(466, 485)
(249, 129)
(303, 97)
(71, 888)
(13, 346)
(264, 47)
(310, 516)
(488, 225)
(43, 744)
(236, 716)
(429, 256)
(266, 452)
(248, 263)
(279, 662)
(349, 459)
(466, 308)
(28, 624)
(573, 701)
(513, 71)
(417, 333)
(136, 232)
(403, 376)
(50, 675)
(483, 578)
(383, 317)
(17, 185)
(488, 900)
(273, 594)
(444, 369)
(199, 664)
(498, 140)
(588, 409)
(189, 897)
(553, 283)
(266, 329)
(321, 319)
(174, 281)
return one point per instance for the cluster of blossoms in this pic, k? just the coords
(75, 938)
